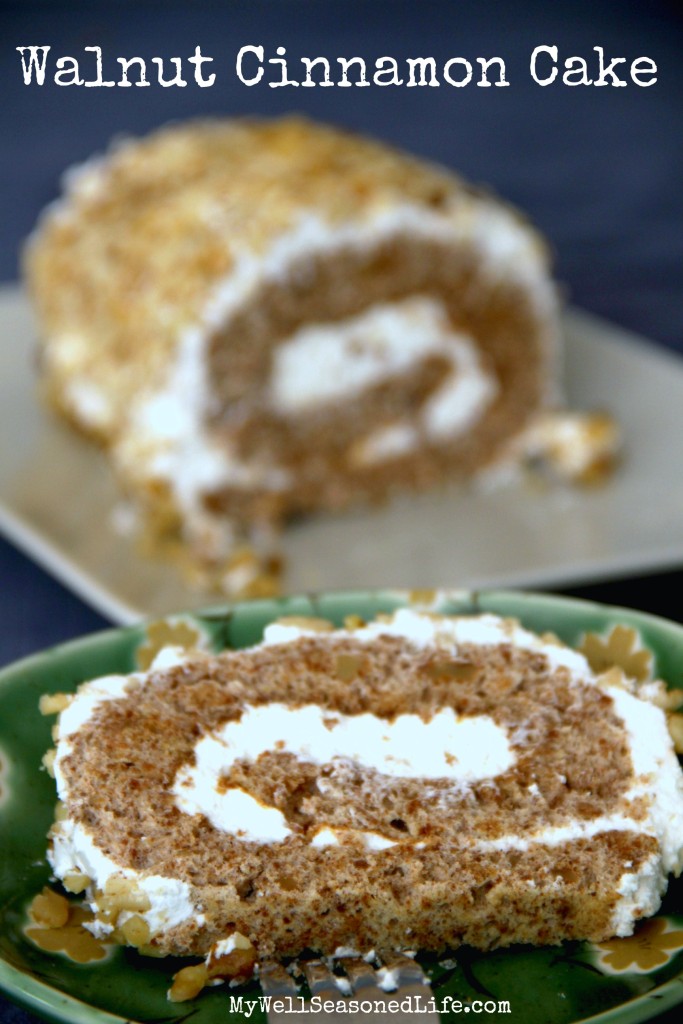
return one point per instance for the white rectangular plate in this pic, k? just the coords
(57, 497)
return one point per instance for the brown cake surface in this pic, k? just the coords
(417, 783)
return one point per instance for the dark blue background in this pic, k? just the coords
(600, 170)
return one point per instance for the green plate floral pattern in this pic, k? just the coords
(616, 982)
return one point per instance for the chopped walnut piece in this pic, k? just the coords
(135, 931)
(76, 882)
(55, 933)
(188, 983)
(353, 622)
(311, 622)
(422, 597)
(656, 693)
(614, 676)
(347, 667)
(249, 573)
(54, 703)
(675, 724)
(671, 700)
(149, 949)
(552, 638)
(120, 895)
(450, 669)
(265, 584)
(233, 958)
(577, 447)
(50, 909)
(49, 762)
(237, 966)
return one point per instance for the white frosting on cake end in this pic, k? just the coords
(89, 697)
(72, 849)
(232, 810)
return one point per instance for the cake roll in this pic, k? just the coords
(416, 783)
(261, 319)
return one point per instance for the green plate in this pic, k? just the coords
(620, 982)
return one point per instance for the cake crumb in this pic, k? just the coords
(576, 447)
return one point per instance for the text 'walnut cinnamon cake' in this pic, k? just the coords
(261, 319)
(416, 783)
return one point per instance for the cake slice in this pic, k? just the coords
(411, 784)
(262, 319)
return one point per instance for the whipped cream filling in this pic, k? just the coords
(332, 362)
(656, 772)
(373, 841)
(445, 746)
(73, 849)
(234, 810)
(459, 749)
(399, 438)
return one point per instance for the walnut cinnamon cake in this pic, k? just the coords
(261, 319)
(418, 782)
